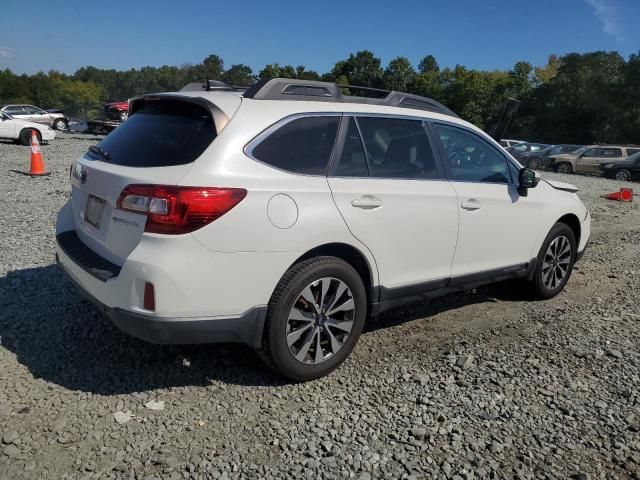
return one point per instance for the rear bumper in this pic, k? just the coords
(246, 328)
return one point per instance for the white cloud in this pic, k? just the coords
(6, 52)
(607, 14)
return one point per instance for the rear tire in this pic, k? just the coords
(555, 262)
(304, 340)
(564, 167)
(25, 137)
(623, 175)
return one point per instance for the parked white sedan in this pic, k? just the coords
(20, 130)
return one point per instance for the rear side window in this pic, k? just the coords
(632, 151)
(397, 148)
(162, 133)
(303, 145)
(611, 152)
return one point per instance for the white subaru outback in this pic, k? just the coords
(285, 216)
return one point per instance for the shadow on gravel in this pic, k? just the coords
(63, 339)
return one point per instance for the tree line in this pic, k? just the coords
(576, 98)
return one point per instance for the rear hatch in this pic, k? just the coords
(164, 135)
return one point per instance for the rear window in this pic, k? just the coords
(162, 133)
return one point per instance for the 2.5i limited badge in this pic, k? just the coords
(124, 221)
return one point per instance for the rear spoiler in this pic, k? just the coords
(220, 119)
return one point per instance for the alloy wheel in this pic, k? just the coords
(320, 320)
(555, 266)
(622, 176)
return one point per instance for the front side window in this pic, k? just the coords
(302, 145)
(31, 110)
(556, 151)
(397, 148)
(471, 158)
(592, 152)
(632, 151)
(523, 147)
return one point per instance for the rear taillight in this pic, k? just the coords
(175, 210)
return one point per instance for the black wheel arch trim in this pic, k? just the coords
(397, 296)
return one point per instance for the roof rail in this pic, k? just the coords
(315, 91)
(212, 86)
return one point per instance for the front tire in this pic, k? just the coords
(555, 261)
(314, 318)
(25, 137)
(623, 175)
(60, 124)
(564, 168)
(535, 163)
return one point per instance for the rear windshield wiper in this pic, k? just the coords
(100, 152)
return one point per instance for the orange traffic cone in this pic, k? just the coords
(37, 165)
(624, 195)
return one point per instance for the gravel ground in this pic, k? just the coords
(485, 384)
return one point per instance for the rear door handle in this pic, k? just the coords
(366, 202)
(471, 205)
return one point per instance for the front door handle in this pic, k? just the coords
(471, 205)
(366, 202)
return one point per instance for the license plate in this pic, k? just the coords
(93, 212)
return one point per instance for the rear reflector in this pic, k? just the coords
(176, 210)
(149, 302)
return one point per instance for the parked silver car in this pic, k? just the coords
(29, 113)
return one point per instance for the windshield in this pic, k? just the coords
(580, 150)
(159, 134)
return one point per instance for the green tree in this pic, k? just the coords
(362, 69)
(213, 67)
(399, 74)
(429, 64)
(240, 74)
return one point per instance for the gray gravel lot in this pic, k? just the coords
(485, 384)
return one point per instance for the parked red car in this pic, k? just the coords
(117, 110)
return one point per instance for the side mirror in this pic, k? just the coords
(527, 178)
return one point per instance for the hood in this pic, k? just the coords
(619, 163)
(563, 155)
(566, 187)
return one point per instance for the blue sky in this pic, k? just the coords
(487, 34)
